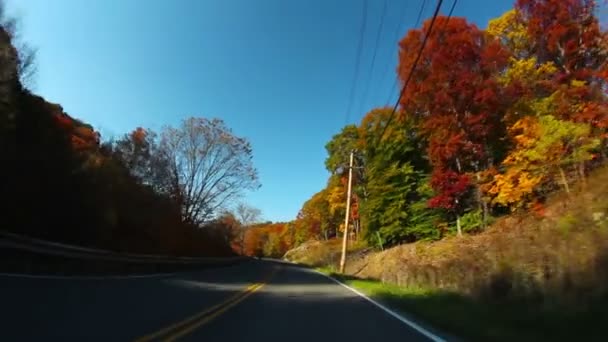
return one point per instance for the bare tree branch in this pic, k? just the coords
(210, 164)
(23, 56)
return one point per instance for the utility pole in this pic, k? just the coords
(346, 217)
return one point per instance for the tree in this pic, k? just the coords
(545, 147)
(254, 242)
(314, 219)
(208, 166)
(390, 209)
(247, 216)
(336, 196)
(338, 155)
(457, 105)
(339, 148)
(512, 33)
(567, 34)
(272, 247)
(288, 236)
(68, 187)
(396, 174)
(139, 152)
(20, 59)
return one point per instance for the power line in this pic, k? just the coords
(409, 76)
(357, 63)
(442, 30)
(423, 5)
(445, 25)
(420, 13)
(398, 29)
(371, 70)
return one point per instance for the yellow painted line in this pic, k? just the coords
(206, 319)
(196, 316)
(209, 318)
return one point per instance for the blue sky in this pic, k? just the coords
(279, 72)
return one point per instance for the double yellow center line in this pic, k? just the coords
(189, 324)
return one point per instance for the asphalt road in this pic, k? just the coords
(252, 301)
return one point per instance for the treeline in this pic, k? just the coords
(491, 122)
(144, 193)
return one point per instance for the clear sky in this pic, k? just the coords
(279, 72)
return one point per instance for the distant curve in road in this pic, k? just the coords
(251, 301)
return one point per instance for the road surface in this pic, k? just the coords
(251, 301)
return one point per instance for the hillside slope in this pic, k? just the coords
(560, 250)
(547, 271)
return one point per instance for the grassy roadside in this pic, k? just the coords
(474, 320)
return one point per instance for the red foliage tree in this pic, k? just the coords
(567, 33)
(456, 102)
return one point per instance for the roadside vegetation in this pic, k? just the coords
(528, 277)
(493, 122)
(453, 314)
(481, 203)
(145, 192)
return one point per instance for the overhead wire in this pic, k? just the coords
(375, 52)
(445, 24)
(398, 29)
(357, 63)
(413, 68)
(394, 86)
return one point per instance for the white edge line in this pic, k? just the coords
(50, 276)
(415, 326)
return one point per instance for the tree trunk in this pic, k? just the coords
(484, 219)
(242, 242)
(483, 206)
(581, 172)
(458, 228)
(380, 241)
(564, 180)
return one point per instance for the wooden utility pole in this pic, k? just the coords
(346, 217)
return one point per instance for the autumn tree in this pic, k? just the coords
(274, 246)
(567, 34)
(510, 29)
(246, 216)
(394, 209)
(288, 235)
(556, 72)
(254, 242)
(139, 152)
(17, 66)
(335, 193)
(546, 146)
(456, 104)
(68, 186)
(314, 220)
(208, 166)
(19, 57)
(339, 148)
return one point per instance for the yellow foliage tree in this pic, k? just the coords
(527, 71)
(544, 146)
(511, 32)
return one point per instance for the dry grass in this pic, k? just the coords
(320, 253)
(560, 258)
(526, 278)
